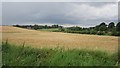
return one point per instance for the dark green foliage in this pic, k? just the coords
(93, 31)
(55, 26)
(36, 27)
(85, 32)
(74, 28)
(26, 56)
(115, 33)
(111, 26)
(97, 28)
(118, 27)
(46, 26)
(102, 24)
(101, 29)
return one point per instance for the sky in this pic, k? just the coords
(0, 13)
(83, 14)
(60, 0)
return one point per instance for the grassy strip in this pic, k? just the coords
(50, 30)
(26, 56)
(65, 30)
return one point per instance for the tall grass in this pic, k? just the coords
(0, 59)
(27, 56)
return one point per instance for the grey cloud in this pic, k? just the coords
(99, 4)
(59, 0)
(0, 13)
(119, 11)
(53, 13)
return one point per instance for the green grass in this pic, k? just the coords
(51, 29)
(0, 54)
(27, 56)
(0, 58)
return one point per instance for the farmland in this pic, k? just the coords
(43, 48)
(41, 39)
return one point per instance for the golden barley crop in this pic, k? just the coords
(42, 39)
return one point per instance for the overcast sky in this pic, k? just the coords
(83, 14)
(60, 0)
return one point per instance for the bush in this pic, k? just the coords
(84, 32)
(93, 32)
(61, 29)
(87, 32)
(109, 33)
(100, 33)
(115, 33)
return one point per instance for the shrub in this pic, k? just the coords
(100, 33)
(93, 32)
(62, 29)
(115, 33)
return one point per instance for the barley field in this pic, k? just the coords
(44, 39)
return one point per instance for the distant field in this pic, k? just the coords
(46, 39)
(51, 29)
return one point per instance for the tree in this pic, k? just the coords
(61, 29)
(118, 27)
(111, 26)
(76, 28)
(46, 26)
(102, 27)
(102, 24)
(36, 27)
(97, 28)
(16, 25)
(55, 26)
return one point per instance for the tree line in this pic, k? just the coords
(36, 27)
(101, 29)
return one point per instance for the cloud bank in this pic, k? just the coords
(60, 0)
(63, 13)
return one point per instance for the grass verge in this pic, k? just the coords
(27, 56)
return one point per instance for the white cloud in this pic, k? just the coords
(87, 12)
